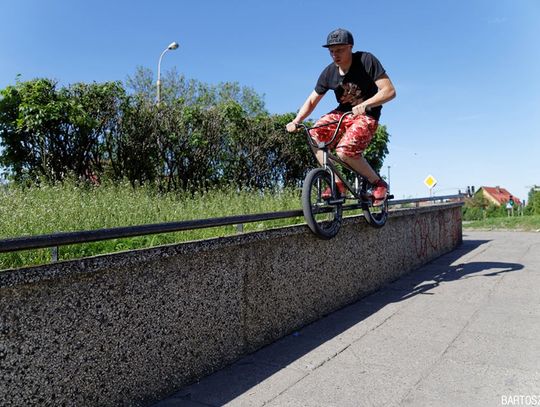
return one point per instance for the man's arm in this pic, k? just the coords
(309, 105)
(385, 93)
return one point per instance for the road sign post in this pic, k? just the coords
(430, 182)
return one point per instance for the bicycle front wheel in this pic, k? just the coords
(323, 218)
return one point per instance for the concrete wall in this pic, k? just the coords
(129, 328)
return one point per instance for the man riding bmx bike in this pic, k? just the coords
(361, 85)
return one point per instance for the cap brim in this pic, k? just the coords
(337, 43)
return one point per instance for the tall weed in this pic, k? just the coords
(30, 211)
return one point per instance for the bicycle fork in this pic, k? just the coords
(328, 167)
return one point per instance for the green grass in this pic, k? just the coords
(64, 208)
(524, 223)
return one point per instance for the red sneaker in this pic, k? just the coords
(379, 191)
(342, 191)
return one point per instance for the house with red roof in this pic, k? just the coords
(497, 195)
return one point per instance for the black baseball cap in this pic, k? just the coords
(339, 37)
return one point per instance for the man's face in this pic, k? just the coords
(341, 54)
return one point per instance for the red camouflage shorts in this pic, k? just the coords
(354, 135)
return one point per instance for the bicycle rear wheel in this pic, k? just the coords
(375, 216)
(323, 218)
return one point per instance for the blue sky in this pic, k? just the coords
(466, 72)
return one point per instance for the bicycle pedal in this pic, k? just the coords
(336, 201)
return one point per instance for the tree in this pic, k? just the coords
(295, 156)
(94, 123)
(176, 88)
(475, 207)
(533, 203)
(32, 117)
(14, 154)
(133, 150)
(205, 134)
(49, 133)
(200, 136)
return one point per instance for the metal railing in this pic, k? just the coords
(55, 240)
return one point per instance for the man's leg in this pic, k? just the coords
(360, 131)
(324, 134)
(360, 165)
(339, 183)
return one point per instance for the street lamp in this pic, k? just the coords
(172, 46)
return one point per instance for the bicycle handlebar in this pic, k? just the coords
(368, 110)
(324, 144)
(308, 129)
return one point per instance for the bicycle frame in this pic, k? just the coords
(329, 160)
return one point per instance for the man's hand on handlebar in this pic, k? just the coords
(360, 109)
(292, 127)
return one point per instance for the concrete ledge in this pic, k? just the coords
(129, 328)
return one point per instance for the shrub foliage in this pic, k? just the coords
(199, 136)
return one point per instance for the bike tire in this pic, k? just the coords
(376, 216)
(324, 219)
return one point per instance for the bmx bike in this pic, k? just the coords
(322, 203)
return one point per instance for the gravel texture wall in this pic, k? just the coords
(129, 328)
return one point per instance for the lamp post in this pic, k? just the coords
(172, 46)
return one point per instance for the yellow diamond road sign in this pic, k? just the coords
(430, 181)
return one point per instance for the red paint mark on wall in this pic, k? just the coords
(432, 233)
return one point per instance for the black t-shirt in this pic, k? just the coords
(354, 87)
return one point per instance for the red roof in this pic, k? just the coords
(501, 195)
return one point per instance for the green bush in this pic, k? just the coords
(496, 211)
(533, 204)
(472, 213)
(199, 137)
(479, 208)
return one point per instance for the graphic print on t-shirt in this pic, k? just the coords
(351, 94)
(357, 86)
